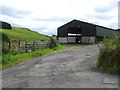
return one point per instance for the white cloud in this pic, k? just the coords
(44, 16)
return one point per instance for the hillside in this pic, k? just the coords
(24, 34)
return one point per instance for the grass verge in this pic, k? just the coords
(10, 60)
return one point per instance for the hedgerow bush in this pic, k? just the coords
(5, 46)
(53, 42)
(109, 58)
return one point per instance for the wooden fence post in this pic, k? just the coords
(9, 44)
(48, 45)
(26, 47)
(18, 45)
(34, 46)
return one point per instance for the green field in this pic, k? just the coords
(24, 34)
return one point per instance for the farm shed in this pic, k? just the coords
(5, 25)
(77, 31)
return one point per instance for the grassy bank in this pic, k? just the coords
(109, 58)
(24, 34)
(10, 60)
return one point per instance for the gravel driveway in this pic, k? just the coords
(70, 68)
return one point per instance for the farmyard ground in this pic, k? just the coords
(71, 68)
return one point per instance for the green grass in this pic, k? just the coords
(109, 57)
(24, 34)
(10, 60)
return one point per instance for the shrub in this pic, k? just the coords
(109, 58)
(53, 42)
(5, 44)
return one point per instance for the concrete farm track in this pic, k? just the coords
(70, 68)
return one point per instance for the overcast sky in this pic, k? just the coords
(44, 16)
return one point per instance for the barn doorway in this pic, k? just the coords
(74, 34)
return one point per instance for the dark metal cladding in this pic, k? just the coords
(5, 25)
(85, 28)
(77, 27)
(77, 31)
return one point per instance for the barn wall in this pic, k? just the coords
(71, 39)
(62, 39)
(88, 30)
(104, 32)
(88, 39)
(62, 32)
